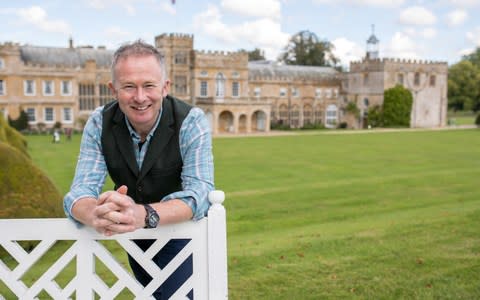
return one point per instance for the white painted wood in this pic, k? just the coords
(207, 246)
(217, 256)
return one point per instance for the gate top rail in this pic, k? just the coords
(207, 246)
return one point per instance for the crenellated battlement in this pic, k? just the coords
(219, 53)
(175, 35)
(398, 60)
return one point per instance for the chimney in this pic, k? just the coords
(70, 43)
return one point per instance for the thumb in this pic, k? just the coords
(122, 190)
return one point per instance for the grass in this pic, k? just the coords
(461, 117)
(362, 216)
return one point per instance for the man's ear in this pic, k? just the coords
(112, 89)
(166, 88)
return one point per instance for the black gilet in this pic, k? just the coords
(162, 165)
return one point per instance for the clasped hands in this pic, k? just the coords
(116, 213)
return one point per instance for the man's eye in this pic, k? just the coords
(149, 86)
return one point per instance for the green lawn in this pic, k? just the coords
(461, 117)
(367, 216)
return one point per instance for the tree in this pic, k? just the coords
(397, 107)
(473, 57)
(255, 54)
(304, 48)
(464, 86)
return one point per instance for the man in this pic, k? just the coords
(158, 152)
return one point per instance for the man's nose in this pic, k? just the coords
(140, 94)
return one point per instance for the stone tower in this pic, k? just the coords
(178, 51)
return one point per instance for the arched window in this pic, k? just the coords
(220, 90)
(416, 80)
(331, 116)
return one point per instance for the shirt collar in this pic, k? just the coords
(135, 135)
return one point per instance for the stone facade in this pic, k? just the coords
(65, 84)
(427, 81)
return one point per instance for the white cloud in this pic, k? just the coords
(474, 36)
(417, 15)
(347, 51)
(37, 16)
(402, 46)
(457, 17)
(378, 3)
(466, 51)
(253, 8)
(429, 33)
(263, 33)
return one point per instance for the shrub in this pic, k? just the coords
(35, 198)
(397, 107)
(12, 137)
(311, 126)
(477, 120)
(375, 116)
(21, 123)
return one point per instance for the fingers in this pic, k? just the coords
(122, 190)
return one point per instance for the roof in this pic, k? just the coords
(272, 69)
(373, 39)
(71, 57)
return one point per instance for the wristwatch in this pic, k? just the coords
(152, 218)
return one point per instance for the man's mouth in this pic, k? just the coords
(140, 108)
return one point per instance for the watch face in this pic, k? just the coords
(153, 220)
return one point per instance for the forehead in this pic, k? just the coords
(140, 66)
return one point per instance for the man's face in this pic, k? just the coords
(139, 89)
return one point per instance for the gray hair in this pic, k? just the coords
(138, 48)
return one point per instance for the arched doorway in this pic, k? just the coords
(225, 122)
(318, 114)
(242, 124)
(283, 114)
(295, 117)
(259, 121)
(307, 115)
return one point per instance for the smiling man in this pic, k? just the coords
(158, 152)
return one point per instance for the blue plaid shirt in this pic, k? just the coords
(195, 148)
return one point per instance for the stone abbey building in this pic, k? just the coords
(65, 84)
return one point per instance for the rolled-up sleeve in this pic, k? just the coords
(91, 169)
(198, 171)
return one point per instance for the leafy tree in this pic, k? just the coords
(255, 54)
(397, 107)
(464, 86)
(304, 48)
(474, 57)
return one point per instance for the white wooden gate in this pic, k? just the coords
(207, 246)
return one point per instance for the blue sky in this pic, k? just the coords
(440, 30)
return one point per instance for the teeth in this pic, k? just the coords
(141, 108)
